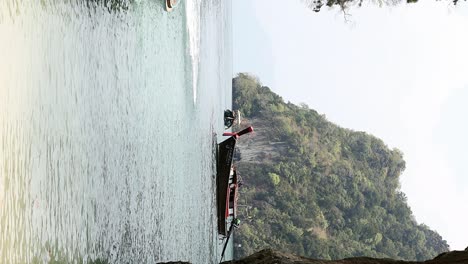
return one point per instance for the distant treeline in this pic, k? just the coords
(332, 192)
(317, 5)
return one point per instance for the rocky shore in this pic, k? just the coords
(269, 256)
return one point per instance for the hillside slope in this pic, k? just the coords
(315, 189)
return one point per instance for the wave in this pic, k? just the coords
(193, 25)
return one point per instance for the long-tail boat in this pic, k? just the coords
(170, 4)
(227, 180)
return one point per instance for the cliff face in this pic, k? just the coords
(275, 257)
(258, 147)
(315, 189)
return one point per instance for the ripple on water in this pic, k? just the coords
(103, 153)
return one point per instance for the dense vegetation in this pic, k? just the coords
(317, 5)
(331, 193)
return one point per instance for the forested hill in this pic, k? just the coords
(315, 189)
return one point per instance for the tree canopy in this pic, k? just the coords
(317, 5)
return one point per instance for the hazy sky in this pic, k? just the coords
(398, 73)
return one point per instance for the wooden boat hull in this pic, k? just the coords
(170, 4)
(224, 172)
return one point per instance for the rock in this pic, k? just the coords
(174, 262)
(269, 256)
(454, 257)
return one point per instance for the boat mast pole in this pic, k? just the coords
(227, 241)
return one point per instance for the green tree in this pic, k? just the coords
(317, 5)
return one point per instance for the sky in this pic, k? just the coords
(398, 73)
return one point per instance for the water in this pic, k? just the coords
(107, 123)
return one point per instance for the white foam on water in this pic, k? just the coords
(193, 25)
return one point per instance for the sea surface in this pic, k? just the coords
(108, 123)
